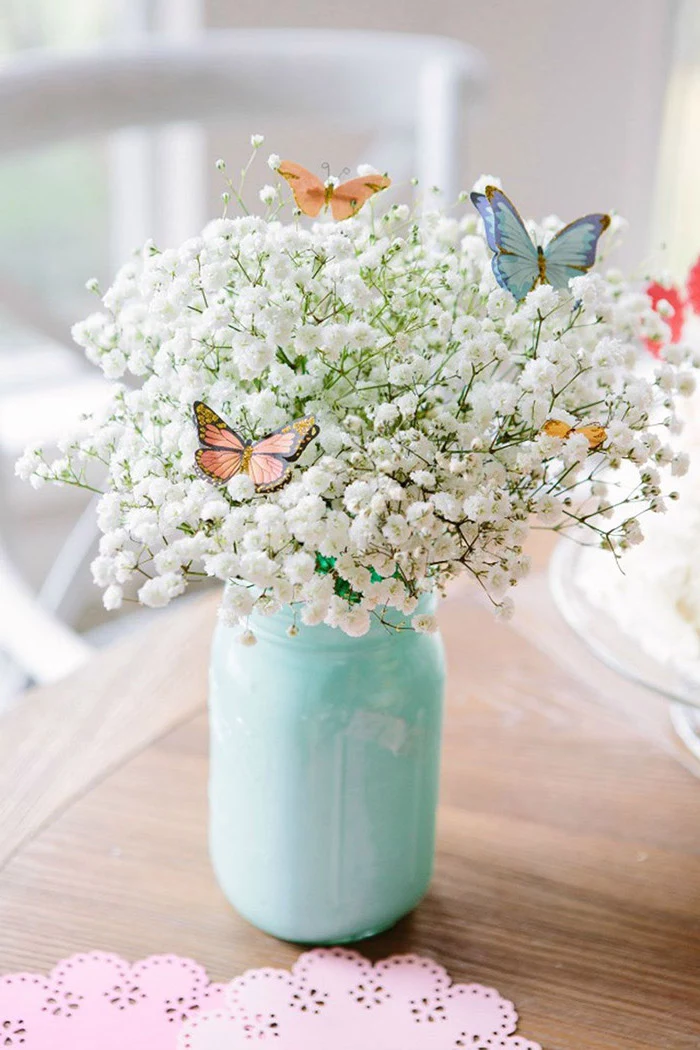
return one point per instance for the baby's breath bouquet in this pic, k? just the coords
(431, 387)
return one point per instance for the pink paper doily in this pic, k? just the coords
(100, 1002)
(332, 999)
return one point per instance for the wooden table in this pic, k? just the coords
(568, 866)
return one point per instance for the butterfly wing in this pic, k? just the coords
(270, 458)
(309, 192)
(216, 465)
(516, 275)
(481, 203)
(594, 433)
(213, 431)
(222, 455)
(516, 261)
(268, 472)
(557, 428)
(290, 440)
(572, 251)
(349, 197)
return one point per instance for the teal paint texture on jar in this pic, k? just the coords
(324, 768)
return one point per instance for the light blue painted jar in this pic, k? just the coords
(325, 755)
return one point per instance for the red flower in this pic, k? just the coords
(656, 293)
(693, 287)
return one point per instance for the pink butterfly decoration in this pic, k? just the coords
(224, 453)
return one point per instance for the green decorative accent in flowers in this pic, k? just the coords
(326, 566)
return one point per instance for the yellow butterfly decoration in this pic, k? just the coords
(593, 432)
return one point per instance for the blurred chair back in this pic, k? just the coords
(403, 87)
(410, 93)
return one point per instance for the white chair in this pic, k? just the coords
(411, 94)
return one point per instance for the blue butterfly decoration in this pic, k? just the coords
(520, 265)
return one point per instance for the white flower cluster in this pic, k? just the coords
(430, 385)
(656, 600)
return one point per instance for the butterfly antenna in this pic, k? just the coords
(327, 168)
(344, 172)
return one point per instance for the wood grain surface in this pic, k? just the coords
(568, 866)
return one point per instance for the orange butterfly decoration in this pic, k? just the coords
(225, 453)
(344, 200)
(593, 432)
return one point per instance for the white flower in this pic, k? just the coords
(421, 514)
(256, 141)
(424, 478)
(274, 161)
(448, 506)
(386, 414)
(240, 488)
(424, 623)
(355, 621)
(299, 568)
(314, 612)
(548, 509)
(431, 387)
(407, 404)
(505, 609)
(680, 464)
(159, 590)
(499, 303)
(112, 597)
(664, 308)
(486, 180)
(357, 495)
(396, 530)
(29, 462)
(633, 531)
(541, 300)
(685, 384)
(237, 603)
(258, 568)
(225, 565)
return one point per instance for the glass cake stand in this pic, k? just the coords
(604, 637)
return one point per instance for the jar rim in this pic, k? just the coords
(395, 624)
